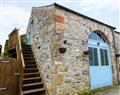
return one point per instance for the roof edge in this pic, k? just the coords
(117, 32)
(44, 6)
(57, 5)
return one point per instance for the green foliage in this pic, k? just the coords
(102, 89)
(23, 39)
(86, 92)
(6, 54)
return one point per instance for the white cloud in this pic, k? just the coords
(16, 15)
(12, 10)
(106, 11)
(13, 16)
(91, 6)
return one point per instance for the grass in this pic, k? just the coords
(101, 91)
(92, 92)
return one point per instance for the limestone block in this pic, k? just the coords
(66, 94)
(58, 79)
(50, 89)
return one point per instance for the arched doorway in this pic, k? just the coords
(99, 61)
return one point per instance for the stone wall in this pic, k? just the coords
(43, 28)
(72, 67)
(54, 28)
(117, 43)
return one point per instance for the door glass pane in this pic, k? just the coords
(95, 57)
(102, 56)
(106, 57)
(90, 57)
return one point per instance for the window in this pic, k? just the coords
(104, 57)
(93, 56)
(98, 55)
(96, 36)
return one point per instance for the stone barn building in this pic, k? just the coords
(74, 53)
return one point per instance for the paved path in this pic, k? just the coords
(115, 90)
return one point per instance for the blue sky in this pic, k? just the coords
(15, 13)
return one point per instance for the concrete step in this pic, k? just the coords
(26, 49)
(30, 75)
(30, 66)
(30, 70)
(28, 55)
(32, 80)
(26, 46)
(32, 86)
(27, 52)
(40, 90)
(28, 60)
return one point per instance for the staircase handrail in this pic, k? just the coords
(20, 60)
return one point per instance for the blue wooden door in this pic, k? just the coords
(99, 61)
